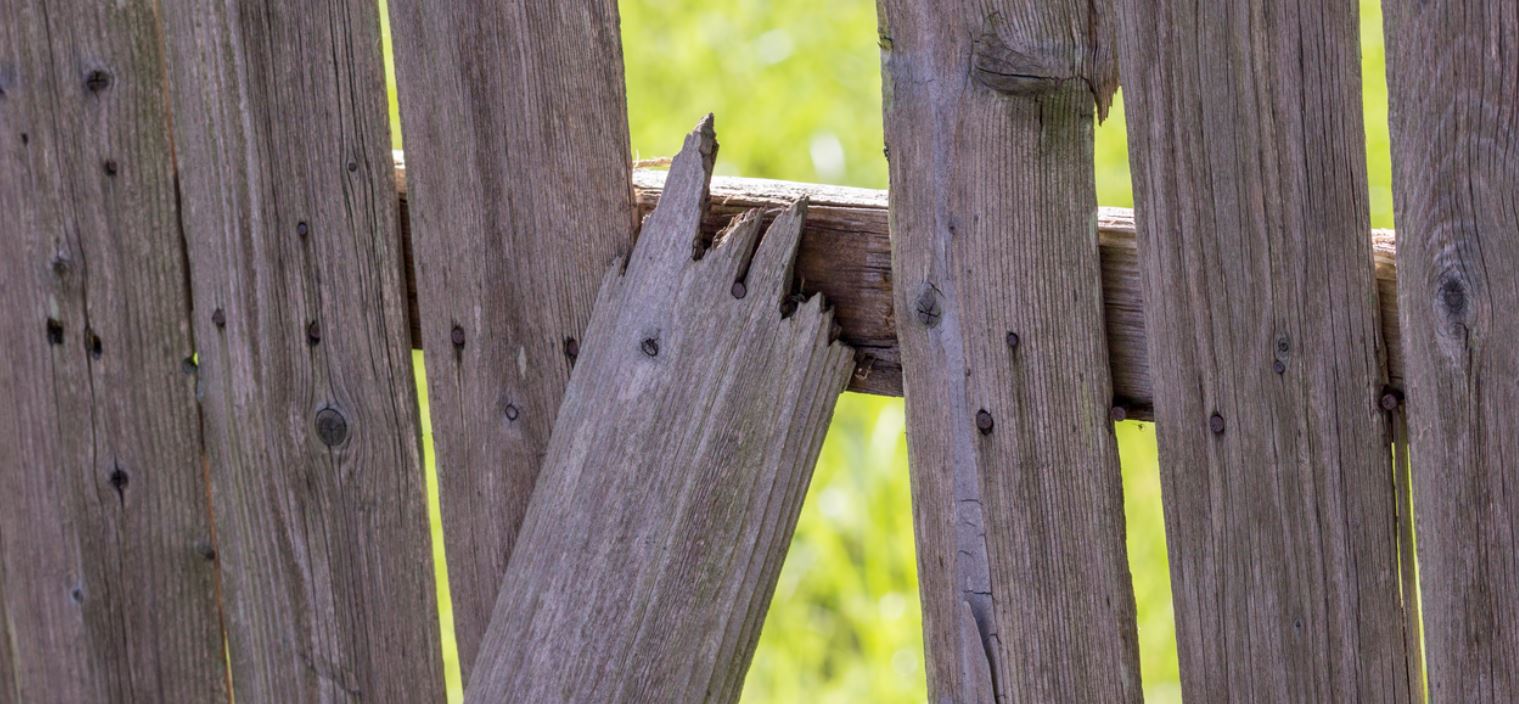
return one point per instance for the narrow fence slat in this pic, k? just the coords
(309, 403)
(676, 471)
(519, 168)
(1453, 85)
(1246, 142)
(1017, 500)
(107, 572)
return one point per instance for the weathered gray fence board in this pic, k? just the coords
(1249, 171)
(676, 469)
(517, 124)
(1453, 83)
(107, 578)
(310, 409)
(1016, 489)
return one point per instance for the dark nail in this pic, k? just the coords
(650, 346)
(97, 80)
(572, 349)
(1391, 398)
(353, 166)
(739, 290)
(1279, 367)
(1118, 413)
(302, 229)
(331, 427)
(94, 344)
(984, 422)
(928, 309)
(457, 337)
(1216, 424)
(110, 167)
(1012, 340)
(54, 332)
(219, 318)
(313, 333)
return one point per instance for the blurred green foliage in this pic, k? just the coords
(795, 86)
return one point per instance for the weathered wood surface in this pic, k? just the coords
(846, 256)
(520, 199)
(1016, 491)
(107, 573)
(676, 469)
(309, 402)
(1453, 84)
(1245, 134)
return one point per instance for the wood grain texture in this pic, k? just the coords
(310, 406)
(846, 255)
(1017, 503)
(1453, 85)
(676, 469)
(519, 201)
(1245, 138)
(104, 521)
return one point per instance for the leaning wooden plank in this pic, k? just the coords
(1249, 171)
(104, 521)
(1453, 89)
(515, 114)
(1017, 502)
(309, 404)
(846, 256)
(676, 469)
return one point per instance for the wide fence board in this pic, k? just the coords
(1016, 489)
(676, 471)
(107, 572)
(1246, 142)
(1453, 84)
(519, 199)
(311, 421)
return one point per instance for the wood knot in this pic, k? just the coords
(650, 346)
(219, 318)
(331, 427)
(511, 412)
(1022, 70)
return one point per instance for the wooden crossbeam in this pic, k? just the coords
(846, 255)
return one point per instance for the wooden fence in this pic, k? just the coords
(210, 293)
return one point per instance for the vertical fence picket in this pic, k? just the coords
(1454, 107)
(107, 573)
(516, 132)
(1249, 172)
(310, 410)
(1016, 488)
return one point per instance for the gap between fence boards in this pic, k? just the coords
(846, 255)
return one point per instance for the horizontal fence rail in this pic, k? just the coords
(846, 256)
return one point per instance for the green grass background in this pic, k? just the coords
(795, 86)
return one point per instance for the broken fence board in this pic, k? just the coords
(1016, 490)
(1453, 93)
(107, 572)
(310, 407)
(1245, 133)
(676, 470)
(515, 114)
